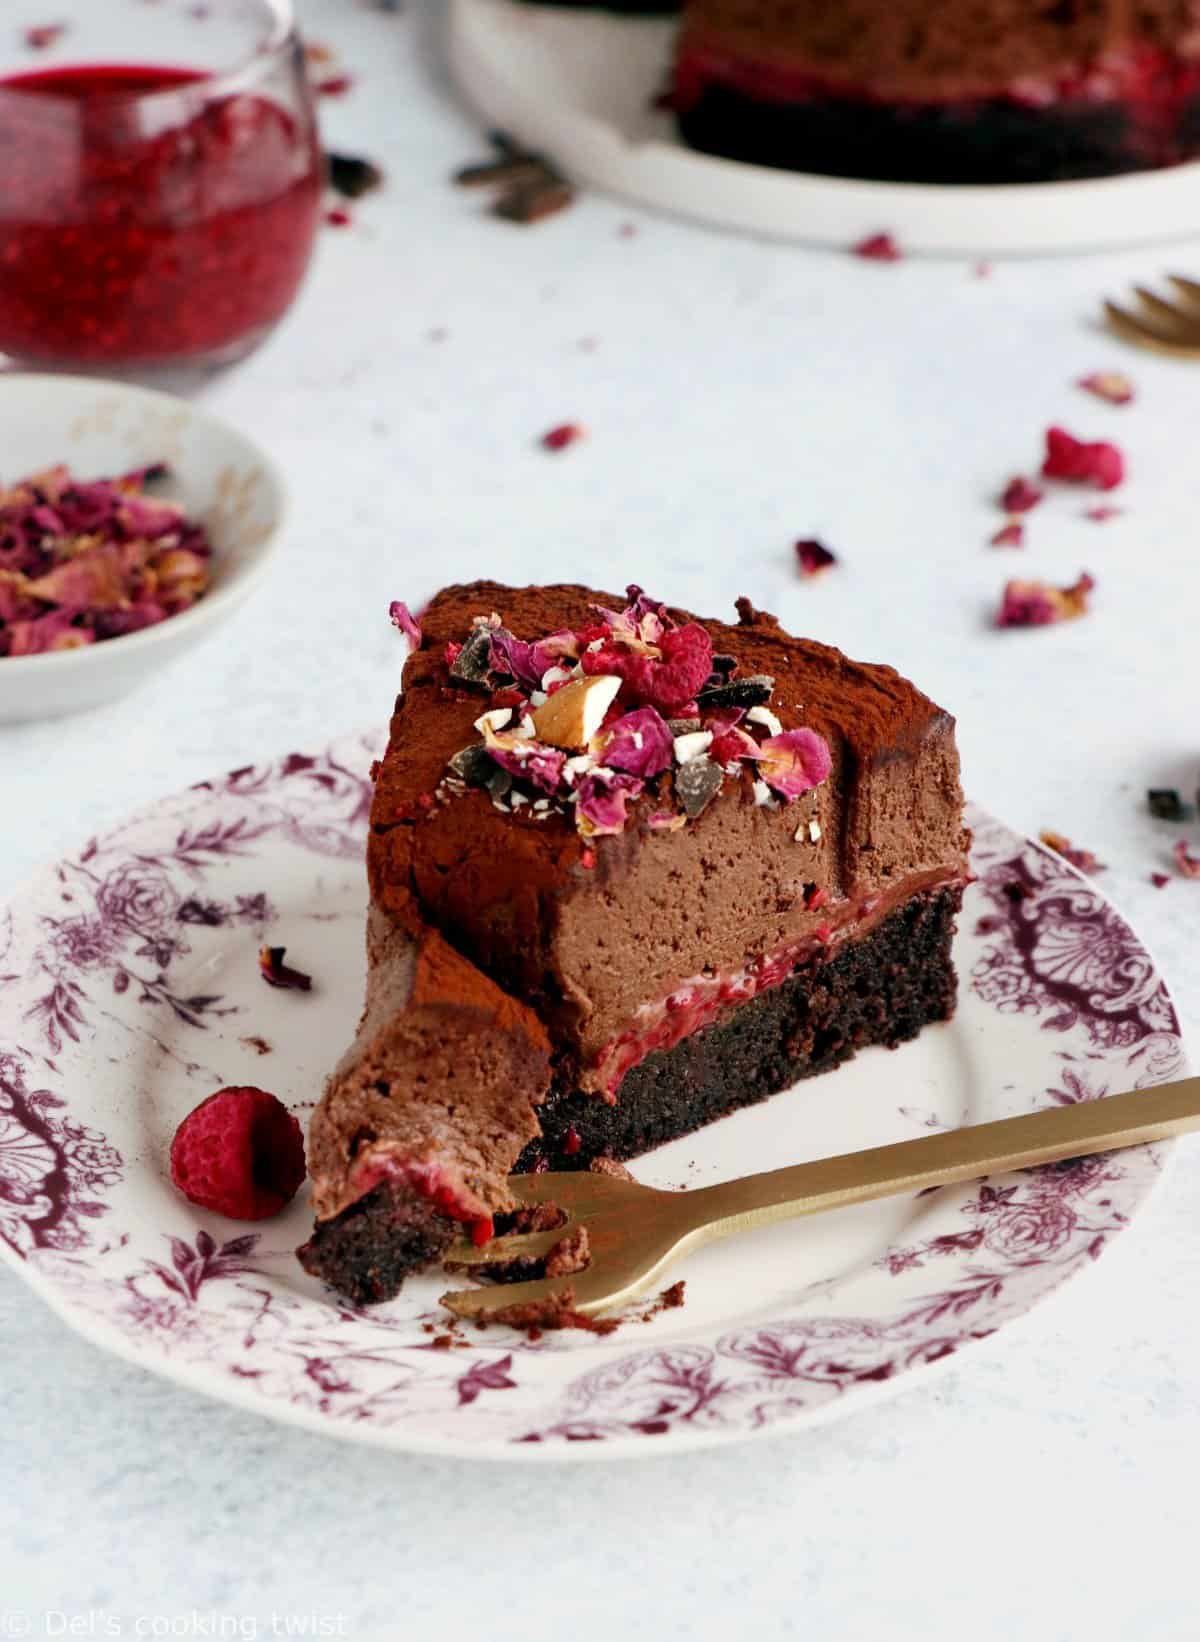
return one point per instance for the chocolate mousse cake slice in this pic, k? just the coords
(706, 860)
(1000, 91)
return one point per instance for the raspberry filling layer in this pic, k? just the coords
(1154, 87)
(703, 999)
(431, 1181)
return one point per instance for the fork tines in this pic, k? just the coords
(1171, 327)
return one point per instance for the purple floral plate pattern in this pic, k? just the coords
(129, 990)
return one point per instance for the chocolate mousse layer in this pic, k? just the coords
(426, 1114)
(593, 935)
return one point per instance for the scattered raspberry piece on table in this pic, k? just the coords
(878, 248)
(559, 438)
(1099, 463)
(239, 1153)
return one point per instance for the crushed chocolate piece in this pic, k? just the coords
(276, 973)
(554, 1312)
(472, 665)
(476, 766)
(570, 1255)
(505, 172)
(813, 557)
(753, 691)
(610, 1167)
(533, 202)
(1166, 804)
(697, 783)
(351, 176)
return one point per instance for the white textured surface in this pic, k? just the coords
(738, 395)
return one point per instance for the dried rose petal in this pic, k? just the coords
(878, 248)
(1037, 604)
(640, 743)
(403, 618)
(794, 762)
(1020, 495)
(334, 85)
(512, 656)
(1186, 860)
(527, 760)
(1099, 464)
(1010, 535)
(666, 821)
(729, 743)
(1109, 385)
(1102, 512)
(56, 630)
(812, 557)
(1160, 880)
(276, 973)
(602, 802)
(1083, 859)
(558, 438)
(338, 217)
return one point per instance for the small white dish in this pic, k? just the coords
(223, 479)
(583, 86)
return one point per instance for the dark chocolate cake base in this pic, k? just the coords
(371, 1247)
(989, 140)
(882, 989)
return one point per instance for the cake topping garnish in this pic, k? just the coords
(584, 721)
(403, 619)
(276, 973)
(1100, 463)
(1037, 604)
(812, 557)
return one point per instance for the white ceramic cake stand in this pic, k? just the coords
(582, 86)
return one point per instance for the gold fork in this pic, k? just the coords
(1167, 327)
(635, 1232)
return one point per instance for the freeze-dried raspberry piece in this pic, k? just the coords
(240, 1153)
(669, 684)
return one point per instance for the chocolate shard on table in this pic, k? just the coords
(668, 901)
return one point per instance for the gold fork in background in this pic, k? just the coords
(1167, 327)
(635, 1232)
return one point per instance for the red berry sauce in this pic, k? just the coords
(147, 219)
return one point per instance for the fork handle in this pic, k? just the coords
(947, 1159)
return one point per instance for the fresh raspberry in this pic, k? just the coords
(239, 1152)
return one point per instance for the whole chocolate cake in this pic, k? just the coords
(673, 866)
(918, 90)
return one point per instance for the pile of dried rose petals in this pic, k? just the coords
(85, 561)
(587, 721)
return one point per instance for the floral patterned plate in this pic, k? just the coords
(129, 989)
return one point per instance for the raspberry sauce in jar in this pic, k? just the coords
(153, 215)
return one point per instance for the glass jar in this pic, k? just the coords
(160, 180)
